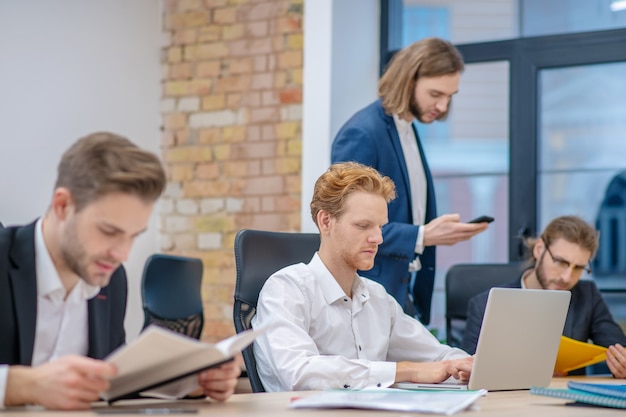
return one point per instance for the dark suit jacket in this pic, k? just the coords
(18, 302)
(588, 317)
(371, 138)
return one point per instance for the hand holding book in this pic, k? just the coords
(574, 354)
(616, 360)
(159, 357)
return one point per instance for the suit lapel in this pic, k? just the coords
(23, 278)
(98, 312)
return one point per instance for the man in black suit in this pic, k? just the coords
(558, 259)
(62, 287)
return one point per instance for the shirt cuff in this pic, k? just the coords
(4, 375)
(382, 374)
(419, 243)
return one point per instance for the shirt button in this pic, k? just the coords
(378, 385)
(345, 299)
(359, 348)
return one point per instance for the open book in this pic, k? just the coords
(159, 357)
(574, 354)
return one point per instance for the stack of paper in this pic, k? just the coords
(441, 402)
(604, 395)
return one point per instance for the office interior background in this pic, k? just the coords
(242, 99)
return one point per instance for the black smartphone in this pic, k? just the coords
(482, 219)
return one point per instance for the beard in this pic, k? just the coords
(417, 111)
(357, 261)
(414, 108)
(541, 276)
(76, 258)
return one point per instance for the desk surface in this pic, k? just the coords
(501, 404)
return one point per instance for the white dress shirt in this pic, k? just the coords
(62, 323)
(321, 339)
(417, 181)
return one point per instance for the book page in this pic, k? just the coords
(238, 342)
(174, 390)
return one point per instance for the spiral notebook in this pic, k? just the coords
(613, 390)
(603, 395)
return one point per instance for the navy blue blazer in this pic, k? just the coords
(588, 317)
(371, 138)
(18, 302)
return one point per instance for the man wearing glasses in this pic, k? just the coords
(559, 258)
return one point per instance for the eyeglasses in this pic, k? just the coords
(564, 265)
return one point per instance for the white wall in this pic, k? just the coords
(72, 67)
(341, 48)
(69, 68)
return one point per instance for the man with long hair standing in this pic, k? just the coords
(418, 84)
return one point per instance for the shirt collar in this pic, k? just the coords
(401, 124)
(522, 283)
(48, 280)
(331, 289)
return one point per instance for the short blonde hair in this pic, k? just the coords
(334, 186)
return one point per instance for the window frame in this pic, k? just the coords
(526, 56)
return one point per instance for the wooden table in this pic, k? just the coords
(500, 404)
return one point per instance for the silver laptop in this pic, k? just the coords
(518, 341)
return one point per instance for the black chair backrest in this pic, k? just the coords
(258, 254)
(463, 281)
(171, 293)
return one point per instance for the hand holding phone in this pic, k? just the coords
(482, 219)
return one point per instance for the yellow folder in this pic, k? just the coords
(574, 354)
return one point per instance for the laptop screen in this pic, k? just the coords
(518, 342)
(519, 338)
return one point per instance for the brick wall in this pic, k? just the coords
(231, 114)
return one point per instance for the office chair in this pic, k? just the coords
(171, 294)
(463, 281)
(258, 254)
